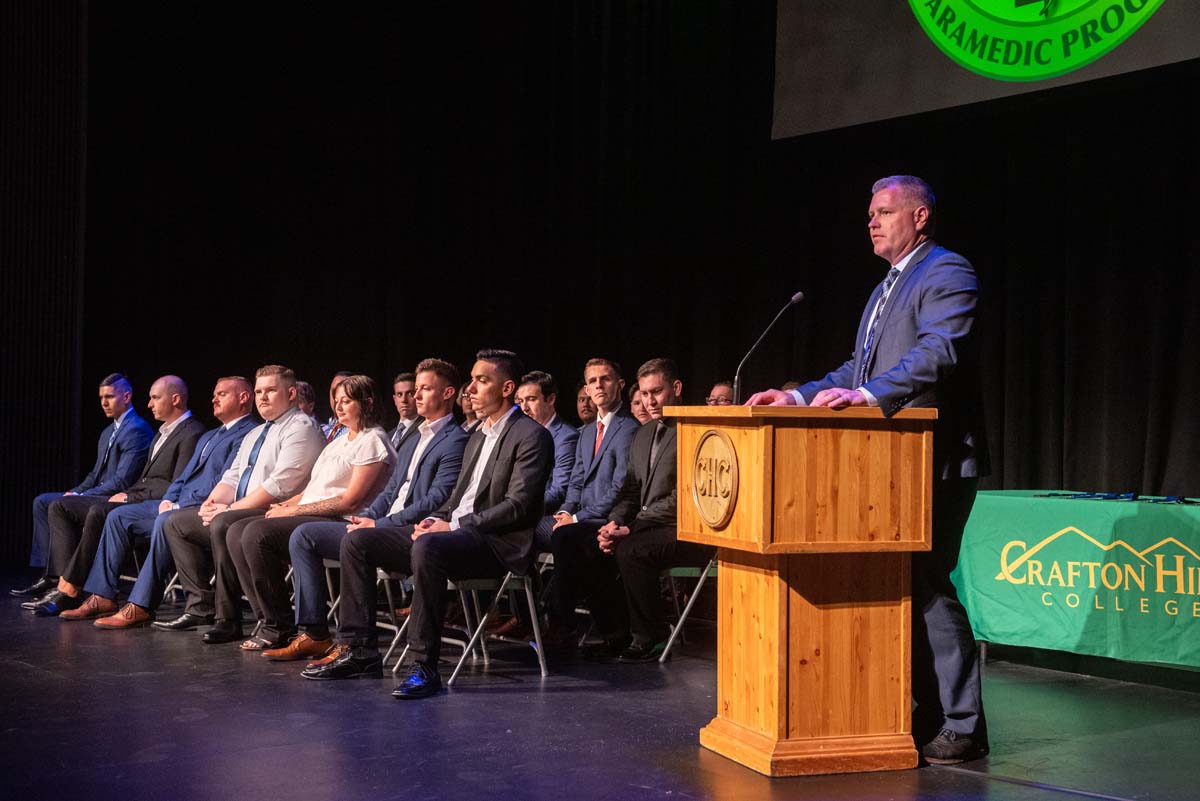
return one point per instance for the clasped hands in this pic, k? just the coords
(609, 535)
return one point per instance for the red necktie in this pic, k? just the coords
(599, 437)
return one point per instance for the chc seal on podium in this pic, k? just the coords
(715, 478)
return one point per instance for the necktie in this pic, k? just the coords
(333, 432)
(892, 275)
(244, 481)
(599, 437)
(108, 447)
(658, 434)
(398, 435)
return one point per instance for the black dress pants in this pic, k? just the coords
(431, 560)
(76, 523)
(200, 552)
(583, 572)
(258, 547)
(642, 557)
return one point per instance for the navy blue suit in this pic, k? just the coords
(595, 478)
(565, 437)
(116, 468)
(432, 482)
(213, 455)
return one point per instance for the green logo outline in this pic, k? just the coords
(1044, 40)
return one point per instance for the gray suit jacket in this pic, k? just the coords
(168, 463)
(925, 354)
(508, 502)
(648, 494)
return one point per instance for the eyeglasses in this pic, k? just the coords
(715, 401)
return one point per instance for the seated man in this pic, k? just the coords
(484, 530)
(537, 396)
(76, 523)
(210, 459)
(585, 410)
(427, 467)
(721, 394)
(619, 564)
(120, 456)
(598, 467)
(404, 390)
(273, 463)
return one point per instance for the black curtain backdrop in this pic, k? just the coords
(352, 190)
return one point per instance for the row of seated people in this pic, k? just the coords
(434, 499)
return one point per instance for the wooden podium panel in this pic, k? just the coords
(814, 604)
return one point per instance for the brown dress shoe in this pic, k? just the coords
(130, 617)
(94, 606)
(301, 647)
(333, 654)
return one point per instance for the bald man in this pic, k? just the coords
(77, 521)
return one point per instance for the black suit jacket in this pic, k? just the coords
(508, 502)
(648, 492)
(166, 466)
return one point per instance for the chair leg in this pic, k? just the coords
(334, 598)
(678, 630)
(537, 627)
(479, 630)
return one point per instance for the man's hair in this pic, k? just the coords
(285, 373)
(600, 361)
(176, 386)
(117, 381)
(439, 367)
(405, 376)
(916, 189)
(505, 361)
(722, 384)
(362, 388)
(343, 374)
(545, 382)
(242, 382)
(667, 367)
(633, 391)
(580, 385)
(305, 393)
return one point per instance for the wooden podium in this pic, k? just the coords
(814, 513)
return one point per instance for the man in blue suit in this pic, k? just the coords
(231, 402)
(120, 456)
(601, 459)
(916, 347)
(537, 396)
(427, 467)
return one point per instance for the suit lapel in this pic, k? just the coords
(902, 282)
(668, 441)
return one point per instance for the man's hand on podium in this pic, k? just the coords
(838, 398)
(771, 397)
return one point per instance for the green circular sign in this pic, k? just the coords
(1029, 40)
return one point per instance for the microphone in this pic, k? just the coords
(737, 376)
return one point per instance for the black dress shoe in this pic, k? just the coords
(422, 682)
(951, 748)
(55, 603)
(604, 652)
(347, 665)
(37, 588)
(35, 600)
(185, 622)
(223, 631)
(638, 652)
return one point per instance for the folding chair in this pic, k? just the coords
(686, 572)
(511, 581)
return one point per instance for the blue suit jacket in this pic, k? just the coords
(125, 460)
(565, 437)
(595, 481)
(432, 482)
(208, 463)
(925, 354)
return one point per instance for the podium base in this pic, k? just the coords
(809, 756)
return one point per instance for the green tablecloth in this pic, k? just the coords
(1109, 578)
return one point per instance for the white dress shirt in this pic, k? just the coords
(165, 430)
(286, 458)
(491, 435)
(425, 435)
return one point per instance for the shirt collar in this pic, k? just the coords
(607, 419)
(490, 430)
(117, 423)
(166, 428)
(900, 265)
(232, 423)
(437, 425)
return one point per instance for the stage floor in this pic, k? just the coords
(147, 714)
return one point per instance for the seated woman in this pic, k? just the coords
(348, 474)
